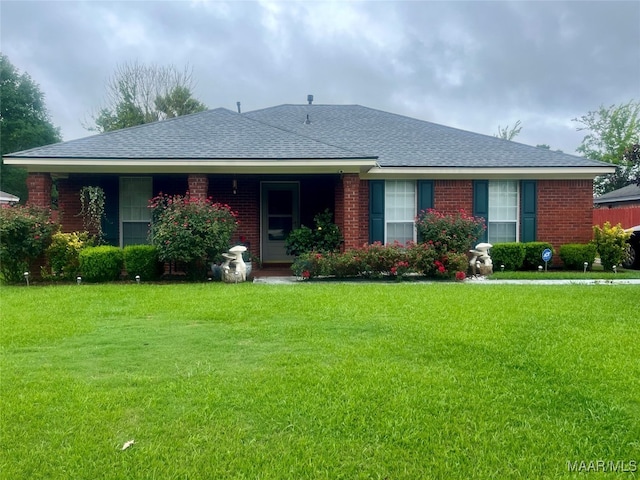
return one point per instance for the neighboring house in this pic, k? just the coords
(8, 199)
(279, 166)
(619, 206)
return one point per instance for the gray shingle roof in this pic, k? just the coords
(213, 134)
(333, 132)
(401, 141)
(629, 193)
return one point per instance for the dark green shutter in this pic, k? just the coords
(376, 211)
(481, 203)
(425, 195)
(111, 222)
(528, 201)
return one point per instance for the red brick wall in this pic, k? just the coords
(69, 205)
(348, 210)
(246, 202)
(39, 188)
(565, 211)
(363, 238)
(451, 196)
(198, 185)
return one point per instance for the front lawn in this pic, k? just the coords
(315, 380)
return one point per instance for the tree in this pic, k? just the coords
(507, 133)
(138, 94)
(24, 123)
(613, 133)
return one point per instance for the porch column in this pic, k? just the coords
(39, 188)
(198, 185)
(348, 210)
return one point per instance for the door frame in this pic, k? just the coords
(294, 185)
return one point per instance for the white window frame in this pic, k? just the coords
(493, 195)
(122, 204)
(387, 206)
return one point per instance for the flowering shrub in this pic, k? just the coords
(611, 243)
(377, 260)
(325, 237)
(190, 230)
(63, 261)
(449, 233)
(25, 233)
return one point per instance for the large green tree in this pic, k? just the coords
(138, 94)
(24, 123)
(613, 136)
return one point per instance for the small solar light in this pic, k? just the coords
(26, 277)
(586, 264)
(79, 280)
(615, 269)
(502, 268)
(540, 268)
(138, 279)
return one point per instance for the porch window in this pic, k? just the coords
(399, 210)
(135, 216)
(503, 211)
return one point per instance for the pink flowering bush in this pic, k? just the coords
(25, 233)
(190, 230)
(395, 261)
(449, 233)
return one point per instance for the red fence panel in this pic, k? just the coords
(626, 216)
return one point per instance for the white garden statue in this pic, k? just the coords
(480, 262)
(234, 269)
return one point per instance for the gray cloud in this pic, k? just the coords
(471, 65)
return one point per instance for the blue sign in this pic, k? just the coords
(546, 254)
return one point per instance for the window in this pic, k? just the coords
(503, 211)
(135, 215)
(399, 211)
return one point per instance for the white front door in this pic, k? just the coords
(280, 214)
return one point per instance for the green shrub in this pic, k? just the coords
(191, 230)
(25, 233)
(533, 254)
(574, 255)
(63, 255)
(510, 254)
(611, 243)
(449, 233)
(101, 264)
(325, 237)
(141, 260)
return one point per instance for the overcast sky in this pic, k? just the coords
(471, 65)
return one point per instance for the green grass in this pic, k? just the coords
(595, 274)
(398, 381)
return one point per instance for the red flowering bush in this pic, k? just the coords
(190, 230)
(377, 260)
(25, 233)
(449, 233)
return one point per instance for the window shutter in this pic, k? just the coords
(110, 224)
(528, 214)
(425, 194)
(376, 211)
(481, 203)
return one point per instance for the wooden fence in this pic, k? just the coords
(626, 216)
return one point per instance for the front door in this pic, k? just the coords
(280, 215)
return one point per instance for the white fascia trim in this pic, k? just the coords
(445, 173)
(239, 166)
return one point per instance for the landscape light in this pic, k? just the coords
(540, 268)
(138, 279)
(586, 264)
(79, 280)
(615, 269)
(502, 268)
(26, 277)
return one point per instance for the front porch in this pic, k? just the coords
(268, 206)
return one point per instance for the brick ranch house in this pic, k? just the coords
(280, 166)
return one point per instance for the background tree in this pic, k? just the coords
(507, 133)
(24, 123)
(613, 132)
(138, 94)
